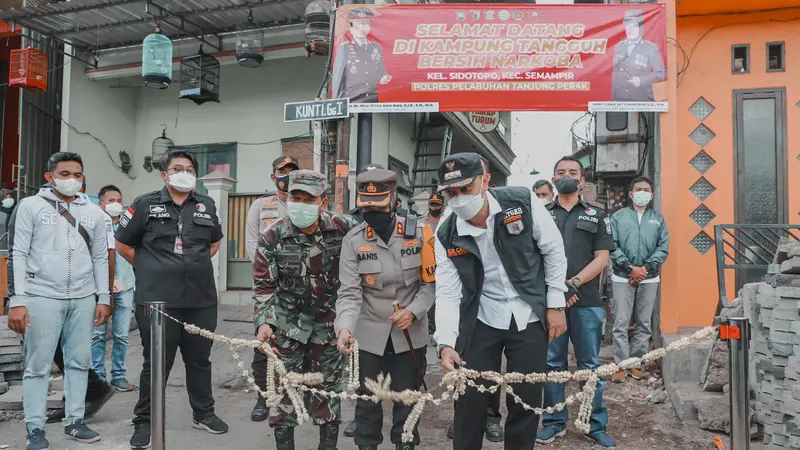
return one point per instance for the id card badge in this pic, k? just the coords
(178, 250)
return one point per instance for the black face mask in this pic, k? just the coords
(567, 185)
(380, 221)
(435, 212)
(282, 182)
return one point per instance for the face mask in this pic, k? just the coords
(8, 202)
(302, 215)
(467, 206)
(67, 187)
(642, 198)
(545, 201)
(435, 212)
(567, 185)
(380, 221)
(114, 209)
(282, 182)
(182, 181)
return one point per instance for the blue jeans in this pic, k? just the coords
(584, 329)
(73, 321)
(120, 326)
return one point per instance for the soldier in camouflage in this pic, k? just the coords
(296, 276)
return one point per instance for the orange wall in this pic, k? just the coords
(689, 290)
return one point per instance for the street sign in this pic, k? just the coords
(316, 110)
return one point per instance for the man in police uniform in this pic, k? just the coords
(296, 276)
(637, 63)
(359, 62)
(488, 305)
(170, 236)
(382, 262)
(587, 241)
(263, 212)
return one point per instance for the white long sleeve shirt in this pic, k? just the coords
(499, 301)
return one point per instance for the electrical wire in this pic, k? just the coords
(275, 140)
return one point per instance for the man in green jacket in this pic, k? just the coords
(642, 241)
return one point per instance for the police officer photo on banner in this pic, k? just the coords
(358, 68)
(638, 64)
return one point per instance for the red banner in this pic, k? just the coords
(499, 57)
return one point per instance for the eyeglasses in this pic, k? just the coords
(175, 170)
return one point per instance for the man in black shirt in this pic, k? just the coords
(587, 242)
(169, 236)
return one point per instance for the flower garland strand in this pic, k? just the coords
(283, 384)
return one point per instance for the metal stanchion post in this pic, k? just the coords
(157, 375)
(736, 330)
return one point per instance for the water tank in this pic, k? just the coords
(157, 61)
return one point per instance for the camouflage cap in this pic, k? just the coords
(282, 161)
(376, 188)
(633, 16)
(307, 181)
(360, 13)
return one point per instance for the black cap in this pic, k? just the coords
(375, 188)
(360, 13)
(459, 170)
(371, 166)
(283, 161)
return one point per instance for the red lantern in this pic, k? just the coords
(28, 69)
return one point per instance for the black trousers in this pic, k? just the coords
(494, 405)
(369, 415)
(526, 352)
(195, 351)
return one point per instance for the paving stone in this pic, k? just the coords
(12, 358)
(787, 292)
(11, 366)
(3, 388)
(791, 266)
(16, 350)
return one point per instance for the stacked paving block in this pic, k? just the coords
(774, 312)
(11, 364)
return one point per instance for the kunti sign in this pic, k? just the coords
(499, 57)
(315, 110)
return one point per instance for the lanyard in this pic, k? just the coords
(180, 218)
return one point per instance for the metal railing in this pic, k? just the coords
(747, 247)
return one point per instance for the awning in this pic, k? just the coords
(93, 25)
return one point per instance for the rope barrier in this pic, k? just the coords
(455, 384)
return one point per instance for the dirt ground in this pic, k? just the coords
(635, 422)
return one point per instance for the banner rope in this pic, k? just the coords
(455, 384)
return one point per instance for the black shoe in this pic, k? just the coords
(328, 436)
(212, 424)
(94, 405)
(141, 436)
(260, 411)
(367, 447)
(36, 440)
(78, 431)
(55, 415)
(404, 446)
(450, 432)
(494, 432)
(284, 438)
(350, 430)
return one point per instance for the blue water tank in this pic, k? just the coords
(157, 61)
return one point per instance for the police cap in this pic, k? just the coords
(376, 188)
(283, 161)
(371, 166)
(436, 198)
(360, 13)
(460, 170)
(633, 16)
(307, 181)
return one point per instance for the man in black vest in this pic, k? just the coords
(487, 306)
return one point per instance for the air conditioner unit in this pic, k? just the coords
(618, 136)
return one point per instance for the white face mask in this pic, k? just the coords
(114, 209)
(8, 202)
(302, 215)
(182, 181)
(467, 206)
(68, 187)
(642, 198)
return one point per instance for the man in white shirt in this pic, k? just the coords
(487, 306)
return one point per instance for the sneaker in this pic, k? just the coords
(78, 431)
(141, 436)
(36, 440)
(212, 424)
(350, 430)
(549, 433)
(638, 374)
(602, 439)
(122, 385)
(620, 376)
(92, 407)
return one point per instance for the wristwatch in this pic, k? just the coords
(557, 309)
(577, 282)
(439, 349)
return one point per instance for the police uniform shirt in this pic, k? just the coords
(183, 278)
(636, 58)
(262, 213)
(586, 229)
(357, 71)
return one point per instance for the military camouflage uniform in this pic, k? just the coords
(296, 277)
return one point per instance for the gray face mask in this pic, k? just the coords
(567, 185)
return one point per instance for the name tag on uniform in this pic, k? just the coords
(178, 250)
(513, 221)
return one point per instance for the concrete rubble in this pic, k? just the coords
(11, 364)
(773, 308)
